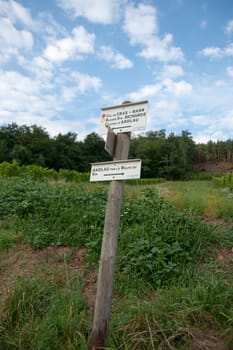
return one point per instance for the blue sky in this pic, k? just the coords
(61, 61)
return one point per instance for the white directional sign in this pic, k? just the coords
(116, 170)
(124, 118)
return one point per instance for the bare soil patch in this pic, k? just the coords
(198, 339)
(53, 263)
(206, 340)
(225, 255)
(215, 167)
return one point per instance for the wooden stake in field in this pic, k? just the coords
(120, 121)
(108, 252)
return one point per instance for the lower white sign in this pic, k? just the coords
(116, 170)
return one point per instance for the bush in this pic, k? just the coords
(39, 173)
(159, 244)
(9, 169)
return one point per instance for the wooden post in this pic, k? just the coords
(108, 252)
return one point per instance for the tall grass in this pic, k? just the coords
(40, 315)
(201, 197)
(169, 318)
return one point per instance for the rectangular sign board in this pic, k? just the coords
(126, 117)
(116, 170)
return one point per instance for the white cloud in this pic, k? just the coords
(19, 93)
(35, 100)
(142, 28)
(166, 114)
(229, 27)
(74, 47)
(201, 120)
(140, 23)
(86, 82)
(162, 49)
(177, 88)
(116, 59)
(17, 25)
(12, 38)
(144, 92)
(163, 87)
(101, 11)
(172, 71)
(216, 52)
(230, 71)
(15, 12)
(41, 63)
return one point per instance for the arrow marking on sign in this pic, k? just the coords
(113, 174)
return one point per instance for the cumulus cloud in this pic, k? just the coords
(230, 71)
(32, 99)
(217, 52)
(116, 59)
(12, 38)
(177, 88)
(201, 120)
(144, 92)
(14, 34)
(102, 11)
(73, 47)
(161, 88)
(15, 12)
(172, 71)
(85, 82)
(229, 27)
(140, 24)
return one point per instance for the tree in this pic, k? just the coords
(92, 150)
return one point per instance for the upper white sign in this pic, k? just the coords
(124, 118)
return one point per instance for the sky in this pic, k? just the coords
(61, 61)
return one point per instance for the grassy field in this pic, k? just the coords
(173, 282)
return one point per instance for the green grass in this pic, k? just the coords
(168, 281)
(40, 315)
(201, 197)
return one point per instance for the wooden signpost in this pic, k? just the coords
(117, 171)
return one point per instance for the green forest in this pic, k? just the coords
(170, 156)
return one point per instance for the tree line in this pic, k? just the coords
(170, 156)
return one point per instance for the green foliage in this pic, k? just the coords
(163, 283)
(225, 181)
(73, 176)
(9, 169)
(39, 173)
(167, 156)
(6, 241)
(49, 214)
(39, 315)
(170, 157)
(157, 243)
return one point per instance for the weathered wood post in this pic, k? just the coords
(120, 121)
(108, 252)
